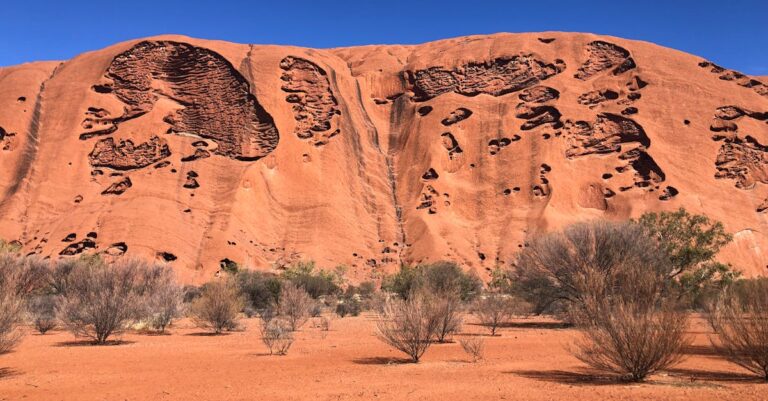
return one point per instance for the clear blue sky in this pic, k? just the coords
(733, 33)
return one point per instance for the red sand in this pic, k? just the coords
(524, 363)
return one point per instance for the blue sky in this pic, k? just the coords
(733, 33)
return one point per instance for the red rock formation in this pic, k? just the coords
(168, 148)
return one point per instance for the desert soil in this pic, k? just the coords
(527, 361)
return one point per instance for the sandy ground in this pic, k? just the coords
(528, 361)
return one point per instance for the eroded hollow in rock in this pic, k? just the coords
(495, 77)
(604, 56)
(217, 100)
(314, 104)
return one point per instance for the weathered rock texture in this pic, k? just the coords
(196, 152)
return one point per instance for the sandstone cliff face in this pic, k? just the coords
(195, 152)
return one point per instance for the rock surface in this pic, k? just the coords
(194, 152)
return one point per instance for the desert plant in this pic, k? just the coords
(42, 312)
(740, 319)
(100, 300)
(277, 335)
(261, 290)
(632, 339)
(295, 304)
(23, 276)
(690, 243)
(11, 308)
(474, 347)
(493, 310)
(434, 277)
(560, 270)
(349, 306)
(408, 325)
(218, 306)
(325, 323)
(163, 299)
(314, 281)
(446, 308)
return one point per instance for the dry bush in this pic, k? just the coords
(295, 304)
(23, 276)
(493, 310)
(740, 319)
(42, 312)
(324, 322)
(277, 335)
(408, 326)
(10, 319)
(632, 339)
(446, 308)
(218, 306)
(474, 346)
(164, 300)
(558, 271)
(101, 300)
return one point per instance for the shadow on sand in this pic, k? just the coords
(567, 377)
(91, 343)
(381, 360)
(716, 376)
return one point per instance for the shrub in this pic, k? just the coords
(10, 319)
(100, 300)
(493, 310)
(42, 312)
(261, 290)
(446, 308)
(218, 306)
(561, 270)
(740, 319)
(277, 335)
(408, 325)
(163, 299)
(474, 346)
(324, 323)
(436, 277)
(349, 306)
(295, 304)
(632, 339)
(190, 293)
(315, 282)
(23, 276)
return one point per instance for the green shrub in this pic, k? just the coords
(260, 290)
(438, 277)
(314, 281)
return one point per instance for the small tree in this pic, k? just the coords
(493, 310)
(295, 304)
(277, 335)
(218, 306)
(42, 312)
(100, 300)
(408, 325)
(740, 319)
